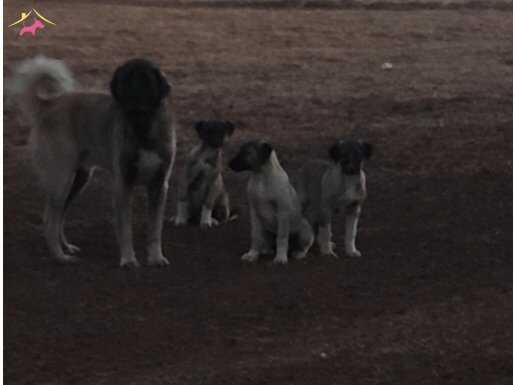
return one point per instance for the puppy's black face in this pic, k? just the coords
(214, 133)
(139, 86)
(252, 156)
(350, 155)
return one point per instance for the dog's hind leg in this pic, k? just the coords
(305, 240)
(58, 187)
(183, 214)
(80, 181)
(222, 210)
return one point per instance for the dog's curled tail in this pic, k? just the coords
(37, 80)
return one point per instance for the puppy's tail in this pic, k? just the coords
(36, 81)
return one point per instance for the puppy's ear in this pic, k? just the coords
(229, 128)
(367, 149)
(164, 86)
(264, 152)
(199, 127)
(116, 84)
(335, 152)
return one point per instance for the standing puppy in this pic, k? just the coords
(325, 186)
(202, 193)
(128, 133)
(274, 207)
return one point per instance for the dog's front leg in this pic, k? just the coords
(157, 191)
(206, 219)
(325, 234)
(183, 208)
(256, 235)
(352, 214)
(283, 235)
(123, 223)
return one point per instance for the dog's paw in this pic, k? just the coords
(232, 217)
(300, 255)
(250, 256)
(158, 260)
(280, 260)
(353, 253)
(208, 223)
(71, 248)
(330, 253)
(329, 250)
(129, 262)
(67, 259)
(179, 221)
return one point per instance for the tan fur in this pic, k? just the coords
(74, 132)
(322, 189)
(275, 209)
(202, 189)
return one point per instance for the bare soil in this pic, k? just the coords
(430, 301)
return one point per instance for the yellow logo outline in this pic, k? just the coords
(25, 15)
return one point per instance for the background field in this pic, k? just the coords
(430, 301)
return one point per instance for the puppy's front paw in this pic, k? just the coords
(329, 250)
(157, 260)
(300, 255)
(208, 223)
(71, 248)
(250, 256)
(129, 261)
(331, 253)
(353, 253)
(178, 221)
(280, 260)
(67, 259)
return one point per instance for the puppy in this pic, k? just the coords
(274, 207)
(128, 133)
(202, 194)
(325, 186)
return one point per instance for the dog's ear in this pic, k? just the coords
(116, 84)
(164, 86)
(200, 128)
(335, 152)
(229, 128)
(264, 152)
(367, 149)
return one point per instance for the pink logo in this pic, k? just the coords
(32, 28)
(37, 22)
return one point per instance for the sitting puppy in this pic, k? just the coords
(324, 186)
(202, 194)
(128, 132)
(273, 202)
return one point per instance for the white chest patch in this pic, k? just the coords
(355, 188)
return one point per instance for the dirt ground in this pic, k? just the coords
(430, 301)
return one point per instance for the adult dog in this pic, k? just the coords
(128, 133)
(324, 186)
(275, 210)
